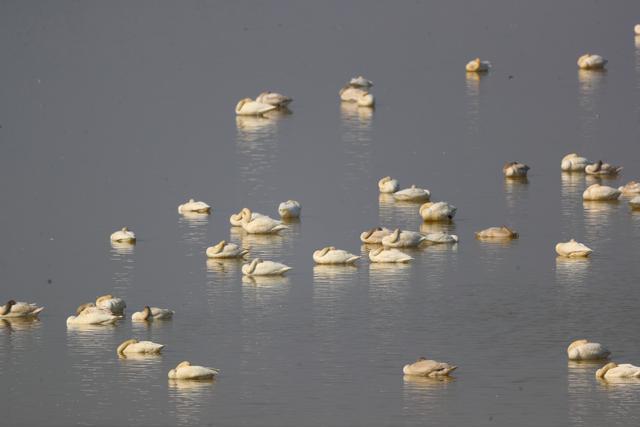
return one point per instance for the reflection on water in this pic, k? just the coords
(266, 246)
(591, 83)
(581, 382)
(493, 251)
(597, 218)
(394, 214)
(189, 399)
(193, 229)
(224, 268)
(356, 136)
(472, 85)
(389, 286)
(123, 261)
(516, 192)
(429, 227)
(18, 324)
(600, 179)
(423, 396)
(337, 275)
(572, 185)
(571, 273)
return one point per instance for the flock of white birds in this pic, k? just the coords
(384, 243)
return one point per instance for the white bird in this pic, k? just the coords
(19, 309)
(412, 194)
(403, 239)
(249, 107)
(600, 192)
(585, 350)
(89, 314)
(630, 188)
(388, 185)
(601, 168)
(636, 29)
(441, 237)
(573, 249)
(123, 235)
(261, 224)
(591, 62)
(226, 250)
(374, 235)
(573, 163)
(613, 371)
(476, 65)
(187, 371)
(331, 255)
(388, 255)
(515, 169)
(193, 206)
(149, 314)
(134, 346)
(635, 202)
(236, 219)
(354, 94)
(497, 232)
(273, 98)
(113, 304)
(360, 82)
(439, 211)
(289, 209)
(428, 368)
(258, 267)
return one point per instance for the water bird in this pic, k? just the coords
(289, 209)
(123, 235)
(331, 255)
(613, 371)
(602, 168)
(428, 368)
(388, 255)
(260, 224)
(600, 193)
(360, 82)
(355, 94)
(19, 309)
(573, 163)
(258, 267)
(149, 314)
(195, 207)
(441, 237)
(223, 249)
(273, 98)
(374, 235)
(630, 188)
(438, 211)
(635, 202)
(388, 185)
(133, 346)
(591, 62)
(403, 239)
(573, 249)
(412, 194)
(478, 66)
(114, 304)
(515, 170)
(236, 219)
(249, 107)
(502, 232)
(585, 350)
(186, 371)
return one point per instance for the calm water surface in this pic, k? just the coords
(113, 113)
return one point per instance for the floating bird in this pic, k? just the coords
(388, 185)
(497, 233)
(331, 255)
(289, 209)
(573, 163)
(258, 267)
(123, 235)
(260, 224)
(134, 346)
(601, 168)
(478, 66)
(636, 29)
(113, 304)
(585, 350)
(273, 98)
(226, 250)
(635, 202)
(515, 170)
(441, 237)
(591, 62)
(360, 82)
(19, 309)
(573, 249)
(438, 211)
(388, 255)
(428, 368)
(186, 371)
(374, 235)
(236, 219)
(412, 194)
(613, 371)
(354, 94)
(630, 188)
(600, 193)
(149, 314)
(403, 239)
(249, 107)
(89, 314)
(195, 207)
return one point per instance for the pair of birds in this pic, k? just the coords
(429, 211)
(107, 310)
(357, 91)
(265, 102)
(583, 350)
(575, 163)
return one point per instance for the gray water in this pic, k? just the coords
(113, 113)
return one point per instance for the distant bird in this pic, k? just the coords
(612, 372)
(630, 188)
(236, 219)
(89, 314)
(289, 209)
(19, 309)
(388, 185)
(573, 163)
(441, 237)
(226, 250)
(123, 235)
(388, 256)
(260, 224)
(585, 350)
(273, 98)
(403, 239)
(476, 65)
(428, 368)
(600, 193)
(134, 346)
(374, 235)
(438, 211)
(354, 94)
(412, 194)
(331, 255)
(193, 206)
(187, 371)
(497, 232)
(591, 62)
(114, 304)
(601, 168)
(249, 107)
(636, 29)
(149, 314)
(573, 249)
(515, 170)
(258, 267)
(360, 82)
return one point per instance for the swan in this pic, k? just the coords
(636, 29)
(258, 267)
(585, 350)
(497, 232)
(134, 346)
(515, 169)
(591, 62)
(412, 194)
(573, 163)
(123, 235)
(249, 107)
(289, 209)
(428, 368)
(19, 309)
(573, 249)
(388, 185)
(331, 255)
(226, 250)
(601, 168)
(273, 98)
(439, 211)
(195, 207)
(441, 237)
(630, 188)
(114, 305)
(261, 224)
(89, 314)
(236, 219)
(152, 313)
(374, 235)
(354, 94)
(478, 66)
(612, 371)
(388, 255)
(187, 371)
(403, 239)
(635, 202)
(600, 192)
(360, 82)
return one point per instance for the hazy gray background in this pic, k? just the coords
(113, 113)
